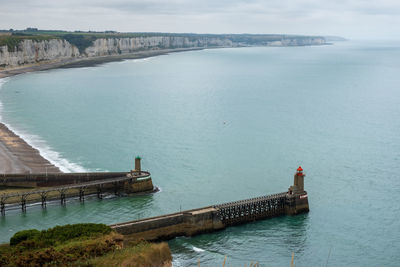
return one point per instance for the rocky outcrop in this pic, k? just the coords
(33, 52)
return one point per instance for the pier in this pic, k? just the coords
(217, 217)
(72, 185)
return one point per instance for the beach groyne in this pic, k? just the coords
(217, 217)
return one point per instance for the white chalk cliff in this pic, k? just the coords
(29, 52)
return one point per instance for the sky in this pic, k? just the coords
(353, 19)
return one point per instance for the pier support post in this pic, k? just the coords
(82, 194)
(44, 197)
(62, 197)
(116, 188)
(3, 207)
(23, 202)
(99, 192)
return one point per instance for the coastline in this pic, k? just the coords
(18, 156)
(92, 61)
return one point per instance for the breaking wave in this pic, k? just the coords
(38, 143)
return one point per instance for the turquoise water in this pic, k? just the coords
(227, 124)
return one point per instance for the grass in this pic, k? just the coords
(143, 254)
(80, 245)
(59, 234)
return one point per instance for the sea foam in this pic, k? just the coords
(197, 249)
(38, 143)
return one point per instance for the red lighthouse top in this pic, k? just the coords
(299, 169)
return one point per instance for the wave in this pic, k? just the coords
(38, 143)
(141, 59)
(176, 262)
(197, 249)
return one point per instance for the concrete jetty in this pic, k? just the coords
(217, 217)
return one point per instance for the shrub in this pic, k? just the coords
(58, 234)
(24, 235)
(68, 232)
(80, 41)
(71, 253)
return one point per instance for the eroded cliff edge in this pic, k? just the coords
(31, 52)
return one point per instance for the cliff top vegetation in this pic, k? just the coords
(11, 41)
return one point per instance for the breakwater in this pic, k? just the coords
(217, 217)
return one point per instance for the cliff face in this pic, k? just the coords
(298, 42)
(112, 46)
(32, 52)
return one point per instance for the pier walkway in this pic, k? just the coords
(116, 182)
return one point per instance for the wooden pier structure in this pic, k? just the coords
(63, 185)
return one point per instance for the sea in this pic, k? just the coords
(220, 125)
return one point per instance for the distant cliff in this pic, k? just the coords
(23, 50)
(30, 51)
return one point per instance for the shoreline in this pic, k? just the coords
(94, 61)
(91, 61)
(18, 156)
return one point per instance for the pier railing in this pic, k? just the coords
(51, 179)
(252, 209)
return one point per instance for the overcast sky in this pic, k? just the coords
(354, 19)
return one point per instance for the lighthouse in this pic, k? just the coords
(298, 183)
(138, 166)
(297, 201)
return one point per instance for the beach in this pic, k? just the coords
(16, 155)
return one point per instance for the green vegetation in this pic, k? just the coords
(79, 245)
(81, 41)
(20, 236)
(59, 234)
(12, 41)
